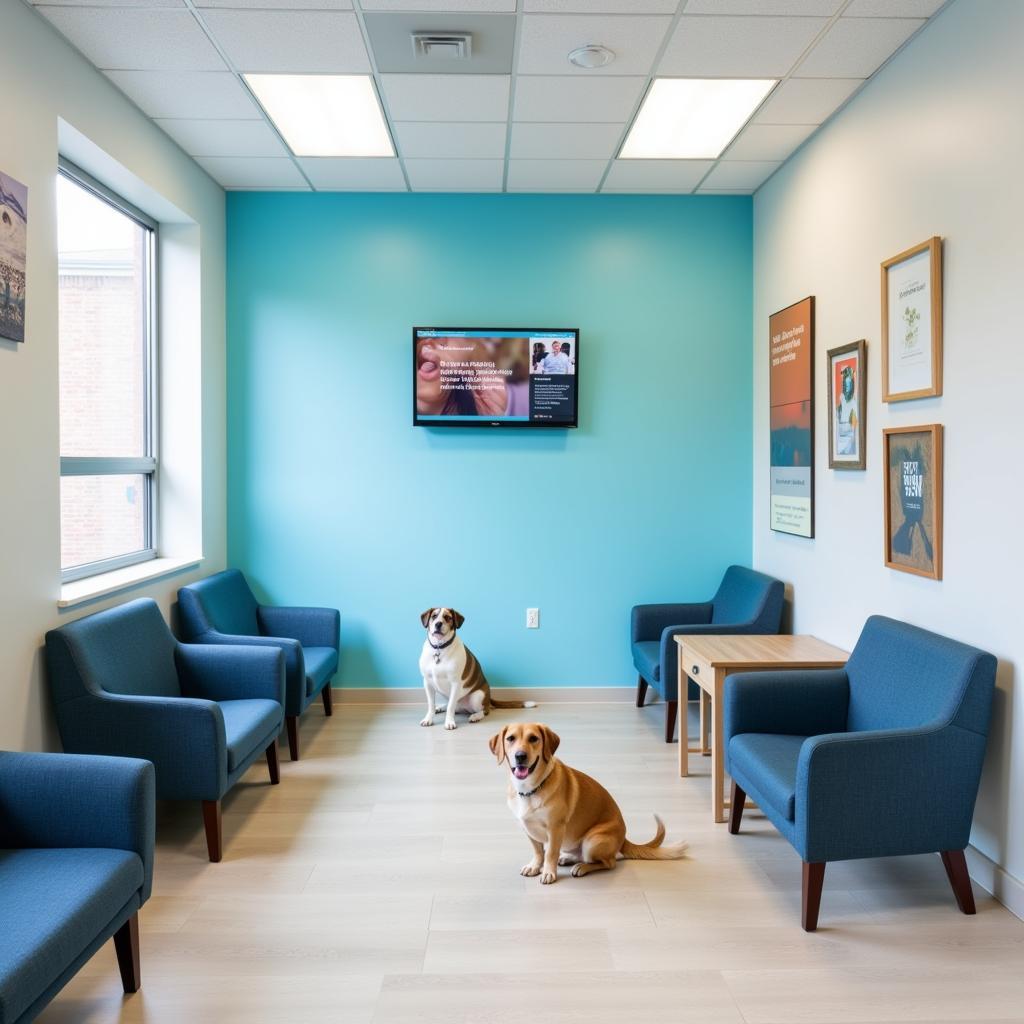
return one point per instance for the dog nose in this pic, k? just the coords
(521, 756)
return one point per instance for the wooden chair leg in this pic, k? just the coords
(212, 823)
(956, 871)
(126, 945)
(273, 765)
(641, 691)
(292, 725)
(813, 878)
(328, 698)
(737, 799)
(671, 707)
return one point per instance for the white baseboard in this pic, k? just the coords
(989, 875)
(541, 694)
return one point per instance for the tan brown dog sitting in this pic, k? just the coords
(569, 817)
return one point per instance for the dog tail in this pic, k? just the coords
(495, 703)
(653, 850)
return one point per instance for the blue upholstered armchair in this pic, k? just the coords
(123, 685)
(76, 863)
(222, 610)
(879, 759)
(746, 602)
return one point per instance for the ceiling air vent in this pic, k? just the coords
(442, 45)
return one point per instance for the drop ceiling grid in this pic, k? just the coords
(837, 43)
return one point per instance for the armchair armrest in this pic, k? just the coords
(182, 736)
(231, 672)
(73, 800)
(312, 627)
(802, 702)
(887, 792)
(649, 621)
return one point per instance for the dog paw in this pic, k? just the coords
(529, 870)
(427, 721)
(565, 861)
(451, 725)
(549, 878)
(577, 871)
(441, 710)
(477, 717)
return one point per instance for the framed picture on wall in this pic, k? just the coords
(847, 405)
(912, 323)
(13, 232)
(791, 418)
(913, 499)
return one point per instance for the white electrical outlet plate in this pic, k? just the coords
(533, 618)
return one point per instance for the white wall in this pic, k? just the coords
(43, 81)
(933, 146)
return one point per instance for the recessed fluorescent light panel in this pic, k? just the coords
(692, 118)
(325, 115)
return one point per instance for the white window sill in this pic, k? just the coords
(106, 583)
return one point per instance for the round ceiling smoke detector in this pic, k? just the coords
(591, 56)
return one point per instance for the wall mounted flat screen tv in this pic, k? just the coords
(495, 377)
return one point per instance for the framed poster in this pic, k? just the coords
(791, 415)
(913, 499)
(847, 405)
(13, 231)
(912, 323)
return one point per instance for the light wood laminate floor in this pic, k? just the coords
(379, 884)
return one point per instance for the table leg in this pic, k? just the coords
(705, 723)
(717, 750)
(684, 739)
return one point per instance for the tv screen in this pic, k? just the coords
(495, 377)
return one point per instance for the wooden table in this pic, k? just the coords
(707, 660)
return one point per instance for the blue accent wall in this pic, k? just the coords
(336, 499)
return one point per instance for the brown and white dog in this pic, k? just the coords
(450, 671)
(569, 817)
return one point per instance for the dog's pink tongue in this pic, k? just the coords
(521, 772)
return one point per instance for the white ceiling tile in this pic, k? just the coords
(223, 138)
(454, 139)
(487, 6)
(817, 8)
(213, 94)
(768, 141)
(455, 175)
(355, 174)
(560, 175)
(741, 174)
(806, 100)
(110, 3)
(721, 47)
(252, 172)
(856, 47)
(291, 41)
(892, 8)
(601, 6)
(565, 98)
(568, 141)
(136, 39)
(291, 5)
(723, 191)
(656, 175)
(447, 97)
(546, 40)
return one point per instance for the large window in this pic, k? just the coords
(108, 465)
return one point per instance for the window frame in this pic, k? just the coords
(148, 465)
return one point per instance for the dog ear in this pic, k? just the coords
(425, 617)
(551, 741)
(459, 618)
(497, 744)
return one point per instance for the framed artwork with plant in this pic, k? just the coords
(913, 499)
(912, 323)
(847, 406)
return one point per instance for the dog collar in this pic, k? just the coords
(441, 647)
(537, 788)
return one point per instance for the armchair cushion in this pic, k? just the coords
(231, 672)
(312, 627)
(321, 665)
(56, 903)
(798, 702)
(647, 659)
(771, 759)
(247, 726)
